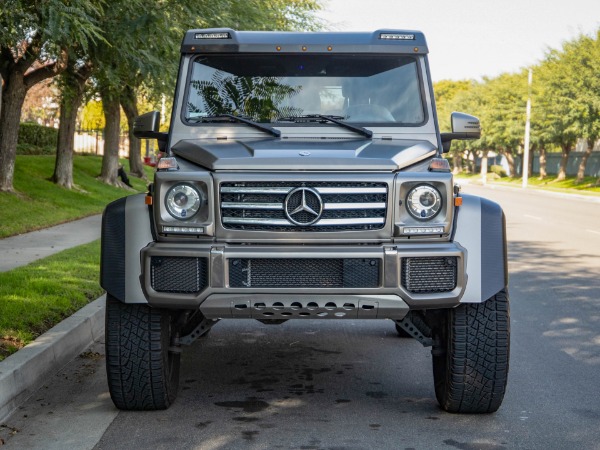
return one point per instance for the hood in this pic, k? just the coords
(304, 154)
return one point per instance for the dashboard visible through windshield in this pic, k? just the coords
(368, 89)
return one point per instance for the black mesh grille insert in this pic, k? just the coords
(178, 275)
(429, 275)
(316, 272)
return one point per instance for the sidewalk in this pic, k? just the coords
(20, 250)
(22, 373)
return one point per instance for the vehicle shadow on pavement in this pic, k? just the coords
(303, 384)
(566, 290)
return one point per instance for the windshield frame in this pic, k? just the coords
(189, 121)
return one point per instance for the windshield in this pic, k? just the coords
(283, 88)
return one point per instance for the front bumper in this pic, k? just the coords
(288, 281)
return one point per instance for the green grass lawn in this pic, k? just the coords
(40, 203)
(36, 297)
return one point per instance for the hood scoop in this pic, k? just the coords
(304, 154)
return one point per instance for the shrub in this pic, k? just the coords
(28, 149)
(498, 170)
(36, 139)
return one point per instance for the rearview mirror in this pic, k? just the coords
(464, 126)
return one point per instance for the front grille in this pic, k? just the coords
(429, 275)
(261, 206)
(304, 273)
(178, 274)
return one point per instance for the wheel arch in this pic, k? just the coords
(126, 229)
(480, 229)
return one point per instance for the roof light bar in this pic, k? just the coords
(397, 37)
(212, 36)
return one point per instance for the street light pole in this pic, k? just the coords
(525, 168)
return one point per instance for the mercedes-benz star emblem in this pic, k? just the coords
(303, 206)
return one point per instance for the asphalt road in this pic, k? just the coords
(356, 385)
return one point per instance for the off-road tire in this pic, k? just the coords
(470, 366)
(143, 374)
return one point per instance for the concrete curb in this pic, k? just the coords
(22, 373)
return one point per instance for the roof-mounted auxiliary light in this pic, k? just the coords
(222, 35)
(397, 37)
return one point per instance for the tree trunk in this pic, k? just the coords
(110, 160)
(457, 162)
(471, 156)
(531, 158)
(564, 158)
(484, 165)
(586, 155)
(13, 96)
(129, 105)
(71, 100)
(543, 173)
(512, 167)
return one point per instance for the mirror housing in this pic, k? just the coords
(147, 125)
(464, 126)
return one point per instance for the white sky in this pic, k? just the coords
(470, 38)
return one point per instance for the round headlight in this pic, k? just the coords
(423, 202)
(183, 201)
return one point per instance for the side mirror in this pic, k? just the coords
(464, 127)
(147, 125)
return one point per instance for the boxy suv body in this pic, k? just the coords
(303, 178)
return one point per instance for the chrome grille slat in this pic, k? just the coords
(255, 190)
(354, 205)
(346, 205)
(351, 190)
(241, 205)
(284, 222)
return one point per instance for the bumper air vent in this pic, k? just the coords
(304, 273)
(429, 275)
(178, 275)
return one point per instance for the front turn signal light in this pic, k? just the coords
(439, 165)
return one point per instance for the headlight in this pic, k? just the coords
(183, 201)
(423, 202)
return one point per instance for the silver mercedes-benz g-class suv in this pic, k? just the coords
(303, 178)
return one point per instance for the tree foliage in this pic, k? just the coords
(34, 37)
(118, 48)
(565, 99)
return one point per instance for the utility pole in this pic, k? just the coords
(525, 168)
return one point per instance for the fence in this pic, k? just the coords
(92, 141)
(592, 167)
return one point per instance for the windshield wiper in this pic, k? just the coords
(333, 119)
(256, 125)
